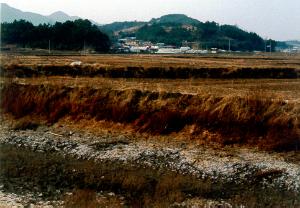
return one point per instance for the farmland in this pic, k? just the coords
(205, 120)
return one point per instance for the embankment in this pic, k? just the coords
(252, 119)
(168, 72)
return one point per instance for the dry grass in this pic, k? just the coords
(153, 66)
(255, 118)
(87, 198)
(287, 89)
(262, 112)
(150, 72)
(48, 172)
(191, 61)
(25, 123)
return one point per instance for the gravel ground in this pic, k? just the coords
(230, 164)
(11, 200)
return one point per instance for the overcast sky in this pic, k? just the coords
(277, 19)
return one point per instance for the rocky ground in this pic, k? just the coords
(240, 167)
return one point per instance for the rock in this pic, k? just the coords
(76, 63)
(111, 194)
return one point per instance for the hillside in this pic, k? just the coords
(61, 17)
(173, 29)
(116, 29)
(175, 18)
(208, 35)
(293, 43)
(9, 14)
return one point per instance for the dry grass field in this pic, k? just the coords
(171, 129)
(260, 112)
(221, 61)
(145, 66)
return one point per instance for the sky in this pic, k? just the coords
(276, 19)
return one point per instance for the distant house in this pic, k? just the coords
(184, 49)
(168, 51)
(214, 50)
(139, 49)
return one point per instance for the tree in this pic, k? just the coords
(19, 32)
(64, 36)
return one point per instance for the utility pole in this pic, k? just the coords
(265, 46)
(84, 47)
(229, 45)
(84, 52)
(49, 48)
(270, 46)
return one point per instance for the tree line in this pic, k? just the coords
(208, 34)
(70, 35)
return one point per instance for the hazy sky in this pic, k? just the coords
(277, 19)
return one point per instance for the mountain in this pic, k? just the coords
(117, 27)
(61, 17)
(293, 43)
(205, 35)
(171, 29)
(9, 14)
(175, 18)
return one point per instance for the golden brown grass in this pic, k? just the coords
(287, 89)
(255, 118)
(263, 112)
(87, 198)
(153, 66)
(158, 60)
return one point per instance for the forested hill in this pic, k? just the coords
(70, 35)
(173, 29)
(208, 34)
(175, 18)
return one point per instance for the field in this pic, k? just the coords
(143, 66)
(224, 104)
